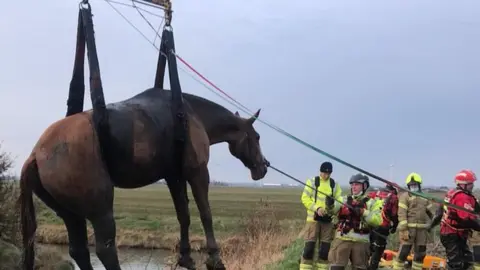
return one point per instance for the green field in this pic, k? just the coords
(152, 208)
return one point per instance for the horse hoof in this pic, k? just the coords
(215, 265)
(186, 262)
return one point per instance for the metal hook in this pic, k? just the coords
(84, 4)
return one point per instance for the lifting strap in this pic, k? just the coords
(85, 36)
(167, 53)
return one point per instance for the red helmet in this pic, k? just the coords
(465, 177)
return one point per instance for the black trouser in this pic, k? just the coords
(459, 256)
(378, 242)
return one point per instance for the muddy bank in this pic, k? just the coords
(145, 239)
(140, 239)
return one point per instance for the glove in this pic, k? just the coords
(344, 211)
(329, 201)
(429, 227)
(393, 229)
(404, 235)
(358, 211)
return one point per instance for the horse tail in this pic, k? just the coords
(28, 178)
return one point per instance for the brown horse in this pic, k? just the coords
(65, 170)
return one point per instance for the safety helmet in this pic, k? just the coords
(326, 167)
(465, 177)
(360, 178)
(413, 177)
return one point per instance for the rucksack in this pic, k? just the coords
(324, 218)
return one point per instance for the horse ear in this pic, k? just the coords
(252, 119)
(237, 114)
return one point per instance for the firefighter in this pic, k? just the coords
(319, 226)
(379, 236)
(356, 217)
(457, 225)
(414, 215)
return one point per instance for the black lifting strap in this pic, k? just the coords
(167, 49)
(76, 91)
(85, 36)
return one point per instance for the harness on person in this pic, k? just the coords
(352, 221)
(451, 218)
(324, 218)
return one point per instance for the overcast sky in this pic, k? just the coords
(371, 82)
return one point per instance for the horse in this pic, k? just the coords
(65, 170)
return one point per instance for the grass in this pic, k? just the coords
(10, 244)
(290, 257)
(146, 217)
(255, 227)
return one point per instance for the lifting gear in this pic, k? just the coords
(167, 53)
(350, 217)
(85, 35)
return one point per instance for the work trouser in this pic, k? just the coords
(459, 255)
(378, 243)
(474, 243)
(342, 251)
(418, 239)
(322, 232)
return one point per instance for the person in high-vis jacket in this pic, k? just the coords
(357, 215)
(319, 226)
(379, 236)
(414, 216)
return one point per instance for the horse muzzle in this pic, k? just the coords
(259, 171)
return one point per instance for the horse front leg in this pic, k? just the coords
(199, 182)
(178, 190)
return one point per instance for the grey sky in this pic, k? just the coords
(369, 81)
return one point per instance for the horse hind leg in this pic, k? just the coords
(76, 229)
(105, 232)
(78, 240)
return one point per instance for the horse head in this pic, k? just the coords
(245, 145)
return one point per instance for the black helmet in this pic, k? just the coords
(390, 188)
(326, 167)
(359, 178)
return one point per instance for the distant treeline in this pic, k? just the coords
(213, 183)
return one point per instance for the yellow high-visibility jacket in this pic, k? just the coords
(372, 217)
(413, 211)
(308, 194)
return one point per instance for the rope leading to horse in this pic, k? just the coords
(243, 108)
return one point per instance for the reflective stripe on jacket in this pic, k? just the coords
(308, 195)
(412, 211)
